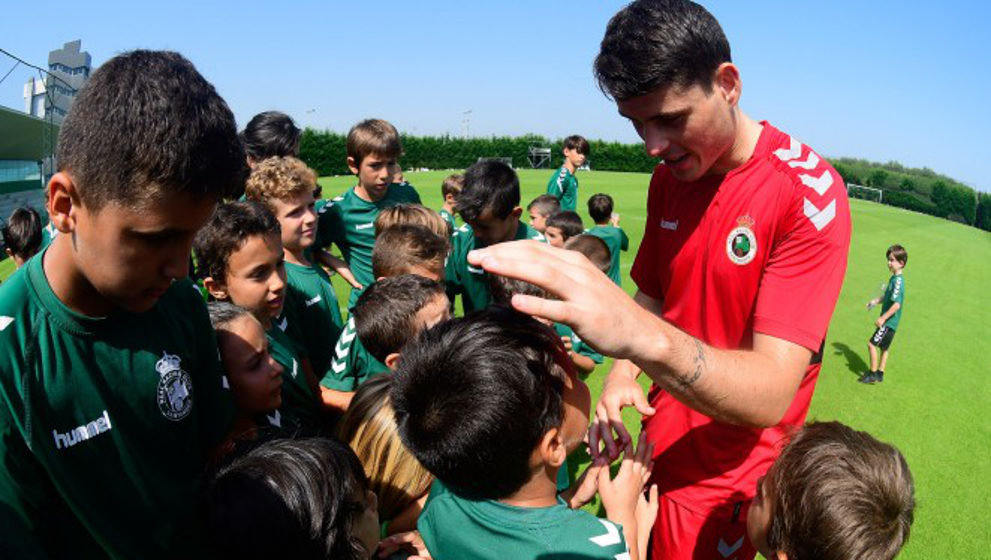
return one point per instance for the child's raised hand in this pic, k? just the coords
(407, 540)
(620, 494)
(567, 343)
(588, 483)
(646, 513)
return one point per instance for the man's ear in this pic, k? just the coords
(781, 555)
(63, 202)
(217, 289)
(517, 212)
(727, 82)
(552, 449)
(392, 361)
(352, 165)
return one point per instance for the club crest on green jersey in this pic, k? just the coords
(175, 388)
(741, 244)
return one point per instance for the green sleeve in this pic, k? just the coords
(626, 241)
(898, 289)
(339, 376)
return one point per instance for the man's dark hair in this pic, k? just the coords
(899, 252)
(385, 314)
(837, 493)
(570, 223)
(22, 232)
(600, 207)
(288, 498)
(578, 143)
(400, 247)
(271, 134)
(489, 185)
(473, 397)
(545, 204)
(231, 225)
(653, 44)
(593, 248)
(148, 126)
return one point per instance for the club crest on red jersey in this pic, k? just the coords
(741, 244)
(175, 388)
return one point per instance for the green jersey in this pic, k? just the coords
(299, 409)
(894, 293)
(564, 186)
(352, 364)
(348, 221)
(449, 218)
(578, 346)
(456, 527)
(313, 313)
(617, 241)
(105, 423)
(471, 281)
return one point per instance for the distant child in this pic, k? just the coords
(391, 312)
(270, 134)
(891, 313)
(373, 151)
(399, 481)
(491, 405)
(450, 188)
(833, 494)
(408, 213)
(285, 186)
(294, 498)
(240, 253)
(22, 235)
(563, 184)
(542, 208)
(254, 377)
(489, 204)
(600, 209)
(562, 226)
(111, 390)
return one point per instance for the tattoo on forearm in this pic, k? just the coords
(699, 363)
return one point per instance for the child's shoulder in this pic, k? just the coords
(403, 192)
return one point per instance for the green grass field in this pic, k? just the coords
(937, 387)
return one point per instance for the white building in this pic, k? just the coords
(69, 69)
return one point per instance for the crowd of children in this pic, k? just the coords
(137, 421)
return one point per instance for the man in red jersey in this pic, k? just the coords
(740, 268)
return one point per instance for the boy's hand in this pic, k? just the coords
(620, 494)
(879, 323)
(647, 507)
(588, 483)
(618, 392)
(614, 219)
(567, 343)
(408, 540)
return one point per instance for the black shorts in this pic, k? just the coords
(882, 337)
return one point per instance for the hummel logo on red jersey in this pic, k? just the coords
(673, 226)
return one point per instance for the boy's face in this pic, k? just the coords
(375, 174)
(538, 221)
(555, 238)
(574, 158)
(894, 265)
(759, 516)
(577, 403)
(255, 378)
(298, 221)
(365, 524)
(256, 277)
(490, 230)
(131, 256)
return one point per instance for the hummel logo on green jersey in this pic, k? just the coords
(365, 226)
(82, 433)
(313, 301)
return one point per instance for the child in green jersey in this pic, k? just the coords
(22, 235)
(563, 185)
(240, 251)
(409, 213)
(542, 208)
(111, 391)
(270, 134)
(600, 209)
(891, 313)
(348, 221)
(450, 188)
(562, 226)
(491, 405)
(834, 493)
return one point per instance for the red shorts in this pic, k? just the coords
(682, 534)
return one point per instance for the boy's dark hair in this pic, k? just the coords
(570, 223)
(473, 396)
(22, 232)
(578, 143)
(271, 134)
(839, 494)
(231, 225)
(545, 204)
(400, 247)
(899, 252)
(452, 184)
(489, 185)
(288, 498)
(502, 289)
(600, 207)
(653, 44)
(147, 126)
(373, 137)
(223, 313)
(593, 248)
(385, 314)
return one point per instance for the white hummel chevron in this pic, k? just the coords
(224, 383)
(275, 419)
(474, 270)
(792, 152)
(295, 368)
(725, 550)
(623, 556)
(820, 184)
(339, 351)
(5, 322)
(349, 333)
(820, 218)
(610, 538)
(283, 324)
(338, 367)
(810, 162)
(313, 301)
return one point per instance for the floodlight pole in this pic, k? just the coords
(465, 123)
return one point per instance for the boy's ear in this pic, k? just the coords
(63, 200)
(552, 449)
(216, 289)
(352, 165)
(517, 212)
(392, 361)
(781, 555)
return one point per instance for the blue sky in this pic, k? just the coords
(904, 81)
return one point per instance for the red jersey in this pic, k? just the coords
(761, 249)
